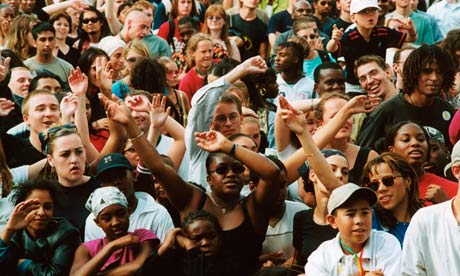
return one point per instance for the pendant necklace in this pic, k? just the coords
(223, 210)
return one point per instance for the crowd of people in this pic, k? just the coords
(253, 137)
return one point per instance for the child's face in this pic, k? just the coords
(366, 18)
(205, 235)
(354, 223)
(114, 221)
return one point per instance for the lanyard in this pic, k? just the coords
(359, 260)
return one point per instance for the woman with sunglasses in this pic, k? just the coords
(396, 185)
(94, 27)
(244, 221)
(411, 141)
(216, 27)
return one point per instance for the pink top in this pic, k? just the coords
(120, 256)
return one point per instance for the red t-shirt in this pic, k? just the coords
(449, 187)
(190, 83)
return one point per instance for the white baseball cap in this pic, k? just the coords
(344, 193)
(359, 5)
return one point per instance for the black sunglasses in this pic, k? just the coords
(222, 170)
(44, 138)
(92, 20)
(388, 181)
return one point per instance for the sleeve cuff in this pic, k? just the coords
(22, 268)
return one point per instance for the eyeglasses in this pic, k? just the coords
(216, 18)
(92, 20)
(131, 59)
(223, 170)
(311, 36)
(368, 11)
(222, 119)
(324, 3)
(387, 180)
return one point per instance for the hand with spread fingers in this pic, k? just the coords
(210, 141)
(116, 109)
(295, 120)
(158, 115)
(78, 82)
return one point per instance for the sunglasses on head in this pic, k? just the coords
(92, 20)
(224, 169)
(388, 181)
(45, 137)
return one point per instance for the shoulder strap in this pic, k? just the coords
(172, 30)
(324, 56)
(361, 159)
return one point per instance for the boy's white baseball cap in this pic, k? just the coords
(342, 194)
(359, 5)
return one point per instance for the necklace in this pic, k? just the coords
(200, 73)
(358, 259)
(223, 210)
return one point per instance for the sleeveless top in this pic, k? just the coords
(241, 246)
(354, 175)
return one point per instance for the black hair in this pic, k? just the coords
(324, 66)
(105, 30)
(22, 191)
(422, 57)
(15, 60)
(44, 74)
(212, 158)
(88, 57)
(201, 215)
(149, 75)
(123, 6)
(189, 20)
(274, 271)
(221, 68)
(255, 177)
(258, 95)
(42, 27)
(297, 52)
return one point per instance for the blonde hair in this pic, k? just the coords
(17, 37)
(137, 46)
(192, 45)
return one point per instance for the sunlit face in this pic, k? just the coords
(114, 221)
(331, 107)
(344, 5)
(411, 143)
(148, 13)
(62, 28)
(227, 119)
(6, 18)
(172, 74)
(390, 197)
(366, 19)
(215, 22)
(372, 78)
(20, 81)
(74, 15)
(203, 54)
(310, 34)
(116, 60)
(205, 235)
(42, 112)
(139, 27)
(91, 23)
(184, 7)
(68, 157)
(354, 223)
(285, 59)
(44, 212)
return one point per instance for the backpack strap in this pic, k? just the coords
(172, 30)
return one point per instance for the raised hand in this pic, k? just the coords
(295, 120)
(158, 115)
(336, 33)
(138, 103)
(210, 141)
(254, 65)
(362, 104)
(116, 109)
(68, 107)
(103, 74)
(6, 106)
(4, 67)
(22, 215)
(78, 82)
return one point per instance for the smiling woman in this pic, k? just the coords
(32, 224)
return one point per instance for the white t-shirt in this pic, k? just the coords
(148, 215)
(382, 251)
(432, 242)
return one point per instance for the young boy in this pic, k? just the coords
(367, 38)
(357, 249)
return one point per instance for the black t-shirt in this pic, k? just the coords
(70, 203)
(253, 32)
(327, 28)
(396, 110)
(308, 235)
(280, 22)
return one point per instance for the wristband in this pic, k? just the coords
(137, 137)
(232, 151)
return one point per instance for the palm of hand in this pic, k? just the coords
(79, 85)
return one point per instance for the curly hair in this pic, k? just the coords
(200, 215)
(422, 57)
(397, 164)
(23, 191)
(452, 44)
(143, 71)
(192, 46)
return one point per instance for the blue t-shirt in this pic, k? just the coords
(399, 231)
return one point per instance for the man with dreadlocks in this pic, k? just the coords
(427, 71)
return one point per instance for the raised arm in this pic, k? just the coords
(111, 15)
(259, 202)
(182, 195)
(324, 135)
